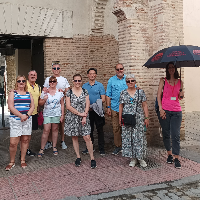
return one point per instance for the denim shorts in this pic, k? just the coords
(51, 120)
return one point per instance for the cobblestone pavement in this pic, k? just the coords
(56, 177)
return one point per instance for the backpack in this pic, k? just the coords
(156, 102)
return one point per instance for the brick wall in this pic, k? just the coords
(80, 53)
(144, 27)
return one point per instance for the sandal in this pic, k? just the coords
(41, 154)
(23, 165)
(9, 167)
(55, 153)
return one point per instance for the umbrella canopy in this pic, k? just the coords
(182, 56)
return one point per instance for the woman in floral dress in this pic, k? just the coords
(134, 138)
(77, 119)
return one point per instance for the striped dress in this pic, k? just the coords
(21, 103)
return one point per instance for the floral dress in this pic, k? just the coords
(134, 147)
(73, 125)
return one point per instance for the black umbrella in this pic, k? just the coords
(182, 56)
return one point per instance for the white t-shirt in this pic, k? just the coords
(62, 83)
(52, 106)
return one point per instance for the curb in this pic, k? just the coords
(138, 189)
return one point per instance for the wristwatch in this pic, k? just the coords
(107, 106)
(180, 90)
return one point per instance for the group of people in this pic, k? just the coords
(75, 111)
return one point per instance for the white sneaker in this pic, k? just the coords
(48, 145)
(142, 163)
(63, 145)
(133, 163)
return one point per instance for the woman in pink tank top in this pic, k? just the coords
(170, 113)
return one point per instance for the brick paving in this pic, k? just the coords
(56, 177)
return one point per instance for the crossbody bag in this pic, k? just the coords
(130, 119)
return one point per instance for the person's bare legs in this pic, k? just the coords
(45, 134)
(89, 146)
(50, 136)
(13, 148)
(76, 146)
(54, 135)
(24, 146)
(61, 128)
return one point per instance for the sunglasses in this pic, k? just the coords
(54, 68)
(120, 69)
(131, 81)
(21, 81)
(77, 81)
(52, 81)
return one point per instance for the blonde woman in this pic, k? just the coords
(21, 105)
(53, 113)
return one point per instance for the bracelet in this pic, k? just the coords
(146, 118)
(27, 114)
(107, 106)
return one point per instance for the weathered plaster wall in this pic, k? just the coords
(191, 25)
(110, 21)
(80, 8)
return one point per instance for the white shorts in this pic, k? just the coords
(18, 128)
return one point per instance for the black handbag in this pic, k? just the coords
(129, 119)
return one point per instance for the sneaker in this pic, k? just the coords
(93, 164)
(63, 145)
(78, 162)
(170, 159)
(117, 150)
(102, 152)
(48, 145)
(142, 163)
(133, 163)
(30, 153)
(85, 151)
(177, 163)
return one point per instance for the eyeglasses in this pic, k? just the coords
(52, 81)
(77, 81)
(54, 68)
(120, 69)
(19, 81)
(131, 81)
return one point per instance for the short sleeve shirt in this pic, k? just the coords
(114, 88)
(62, 83)
(35, 92)
(52, 106)
(95, 91)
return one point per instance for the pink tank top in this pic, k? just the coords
(169, 93)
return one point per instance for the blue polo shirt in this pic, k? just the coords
(114, 88)
(95, 91)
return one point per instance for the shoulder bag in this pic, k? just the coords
(129, 119)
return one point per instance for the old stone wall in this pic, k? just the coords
(144, 27)
(11, 72)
